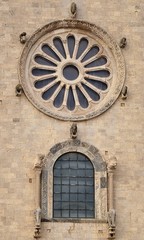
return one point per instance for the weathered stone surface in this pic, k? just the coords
(103, 182)
(119, 131)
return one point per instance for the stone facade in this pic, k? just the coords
(26, 132)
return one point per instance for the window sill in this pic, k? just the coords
(76, 220)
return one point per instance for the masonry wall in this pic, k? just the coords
(26, 132)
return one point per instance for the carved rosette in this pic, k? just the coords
(71, 70)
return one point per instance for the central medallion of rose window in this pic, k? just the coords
(70, 73)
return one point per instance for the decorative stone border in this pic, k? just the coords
(104, 40)
(100, 170)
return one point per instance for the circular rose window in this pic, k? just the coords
(72, 70)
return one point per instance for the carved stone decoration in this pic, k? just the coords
(98, 70)
(73, 9)
(38, 169)
(74, 145)
(124, 93)
(23, 38)
(111, 217)
(18, 90)
(38, 216)
(111, 166)
(123, 42)
(44, 194)
(73, 131)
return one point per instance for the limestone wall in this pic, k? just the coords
(26, 132)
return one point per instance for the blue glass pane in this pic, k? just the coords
(81, 181)
(59, 98)
(65, 164)
(89, 197)
(89, 181)
(90, 214)
(82, 46)
(57, 180)
(73, 214)
(73, 164)
(65, 197)
(81, 205)
(57, 173)
(65, 205)
(71, 44)
(81, 214)
(65, 181)
(99, 73)
(57, 213)
(91, 53)
(41, 72)
(59, 45)
(65, 213)
(46, 49)
(57, 197)
(65, 189)
(70, 72)
(43, 61)
(70, 101)
(73, 181)
(48, 93)
(57, 205)
(73, 206)
(57, 188)
(43, 83)
(98, 62)
(73, 197)
(98, 84)
(82, 99)
(81, 164)
(94, 96)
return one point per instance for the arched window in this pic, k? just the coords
(73, 187)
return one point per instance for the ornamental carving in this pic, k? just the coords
(72, 70)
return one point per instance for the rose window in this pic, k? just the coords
(69, 72)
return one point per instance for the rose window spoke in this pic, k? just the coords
(90, 54)
(50, 52)
(58, 101)
(40, 84)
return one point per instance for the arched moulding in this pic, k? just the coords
(72, 70)
(100, 176)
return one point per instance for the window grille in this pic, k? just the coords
(73, 187)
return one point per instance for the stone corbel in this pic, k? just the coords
(73, 131)
(111, 166)
(37, 169)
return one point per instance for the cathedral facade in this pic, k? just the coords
(71, 120)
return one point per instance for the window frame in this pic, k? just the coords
(90, 30)
(100, 173)
(78, 159)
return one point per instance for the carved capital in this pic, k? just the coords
(39, 162)
(111, 164)
(73, 131)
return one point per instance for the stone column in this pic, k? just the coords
(37, 169)
(111, 211)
